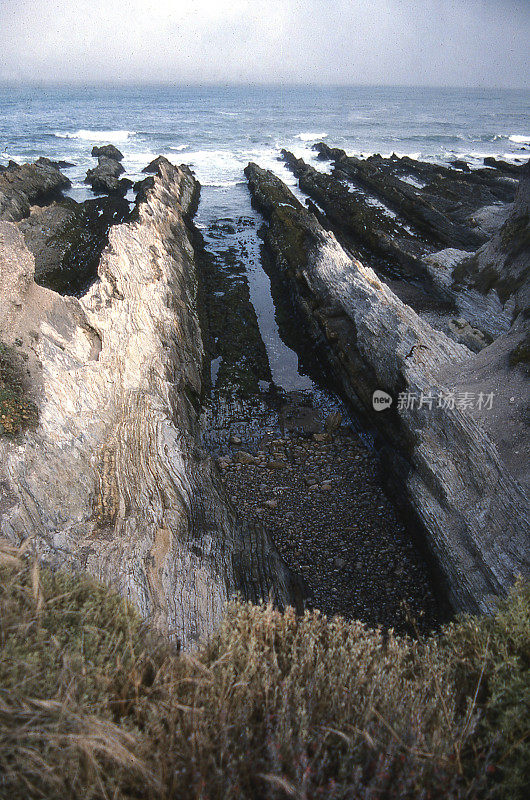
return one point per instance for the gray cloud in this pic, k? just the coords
(426, 42)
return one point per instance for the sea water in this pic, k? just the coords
(218, 130)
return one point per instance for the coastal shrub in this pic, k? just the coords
(95, 705)
(17, 411)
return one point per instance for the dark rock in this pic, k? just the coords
(426, 208)
(67, 239)
(503, 264)
(503, 166)
(154, 166)
(56, 164)
(458, 164)
(105, 177)
(21, 186)
(359, 220)
(439, 461)
(109, 151)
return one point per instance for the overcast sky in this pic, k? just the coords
(428, 42)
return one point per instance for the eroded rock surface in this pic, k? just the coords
(473, 510)
(113, 479)
(105, 178)
(22, 186)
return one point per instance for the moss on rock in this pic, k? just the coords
(17, 411)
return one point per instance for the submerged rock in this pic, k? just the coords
(113, 479)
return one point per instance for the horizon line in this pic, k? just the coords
(108, 84)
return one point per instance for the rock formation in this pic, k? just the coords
(21, 186)
(105, 178)
(437, 199)
(441, 456)
(112, 479)
(108, 150)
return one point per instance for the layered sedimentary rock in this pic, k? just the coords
(67, 238)
(492, 286)
(402, 255)
(473, 510)
(438, 200)
(364, 222)
(112, 479)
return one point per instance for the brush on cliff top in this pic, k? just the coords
(94, 705)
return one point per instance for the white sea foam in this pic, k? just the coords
(310, 137)
(519, 139)
(96, 136)
(179, 147)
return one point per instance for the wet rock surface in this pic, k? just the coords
(314, 483)
(437, 199)
(474, 512)
(67, 239)
(291, 460)
(108, 150)
(21, 186)
(105, 178)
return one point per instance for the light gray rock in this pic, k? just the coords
(475, 514)
(113, 480)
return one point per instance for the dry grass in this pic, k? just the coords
(93, 705)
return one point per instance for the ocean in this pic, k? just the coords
(218, 130)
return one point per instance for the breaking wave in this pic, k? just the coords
(310, 137)
(96, 136)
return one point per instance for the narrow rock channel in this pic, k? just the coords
(292, 455)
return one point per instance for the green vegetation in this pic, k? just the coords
(94, 705)
(17, 411)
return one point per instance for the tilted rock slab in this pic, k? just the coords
(113, 480)
(475, 515)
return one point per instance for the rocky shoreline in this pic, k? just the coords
(473, 508)
(117, 474)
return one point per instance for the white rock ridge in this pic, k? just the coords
(442, 460)
(113, 479)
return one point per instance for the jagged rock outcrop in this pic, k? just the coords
(112, 479)
(492, 286)
(105, 178)
(474, 512)
(503, 166)
(365, 222)
(439, 201)
(401, 255)
(108, 150)
(22, 186)
(67, 238)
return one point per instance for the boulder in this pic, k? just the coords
(21, 186)
(109, 151)
(105, 178)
